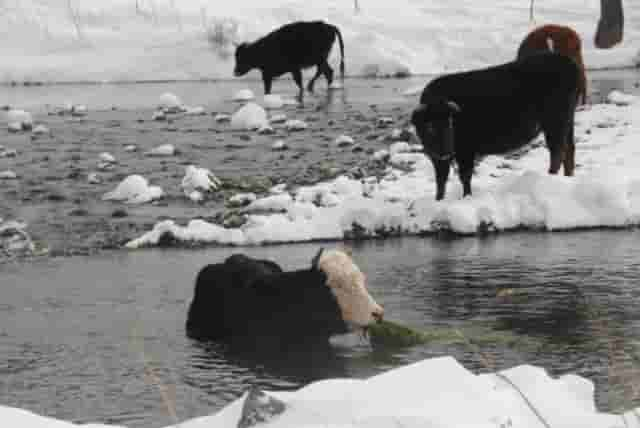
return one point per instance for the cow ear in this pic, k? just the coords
(454, 107)
(316, 259)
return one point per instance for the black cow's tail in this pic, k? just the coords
(337, 30)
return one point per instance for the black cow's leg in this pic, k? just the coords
(266, 79)
(556, 131)
(570, 153)
(313, 80)
(297, 76)
(442, 174)
(465, 171)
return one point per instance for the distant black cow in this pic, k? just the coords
(246, 298)
(463, 116)
(290, 49)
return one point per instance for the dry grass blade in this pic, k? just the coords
(486, 362)
(152, 378)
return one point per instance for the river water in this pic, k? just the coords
(88, 338)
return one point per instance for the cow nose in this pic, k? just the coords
(378, 315)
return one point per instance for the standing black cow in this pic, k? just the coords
(498, 109)
(290, 49)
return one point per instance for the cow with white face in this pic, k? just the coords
(245, 298)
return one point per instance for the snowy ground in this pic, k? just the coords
(509, 192)
(96, 40)
(425, 394)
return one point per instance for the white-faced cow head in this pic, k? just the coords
(434, 123)
(348, 285)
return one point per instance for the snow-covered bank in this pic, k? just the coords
(80, 40)
(430, 393)
(510, 192)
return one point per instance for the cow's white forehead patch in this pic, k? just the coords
(347, 284)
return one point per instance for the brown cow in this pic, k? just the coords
(560, 39)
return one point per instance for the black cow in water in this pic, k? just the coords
(290, 49)
(250, 299)
(463, 116)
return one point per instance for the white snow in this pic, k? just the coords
(241, 199)
(198, 180)
(159, 115)
(134, 189)
(222, 117)
(79, 110)
(15, 127)
(249, 117)
(162, 150)
(381, 155)
(620, 98)
(266, 130)
(507, 193)
(279, 145)
(170, 103)
(344, 140)
(437, 392)
(106, 157)
(278, 118)
(93, 178)
(40, 130)
(8, 175)
(195, 111)
(243, 95)
(19, 120)
(295, 125)
(272, 102)
(192, 39)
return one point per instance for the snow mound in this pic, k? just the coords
(162, 150)
(344, 140)
(14, 239)
(508, 194)
(249, 117)
(278, 118)
(243, 95)
(272, 102)
(106, 157)
(195, 111)
(19, 120)
(170, 103)
(279, 145)
(524, 396)
(199, 180)
(40, 130)
(8, 175)
(134, 189)
(620, 98)
(295, 125)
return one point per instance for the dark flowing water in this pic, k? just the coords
(83, 338)
(77, 335)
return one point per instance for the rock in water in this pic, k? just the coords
(259, 408)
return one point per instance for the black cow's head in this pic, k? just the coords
(434, 123)
(244, 62)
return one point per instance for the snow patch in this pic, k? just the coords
(249, 117)
(134, 189)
